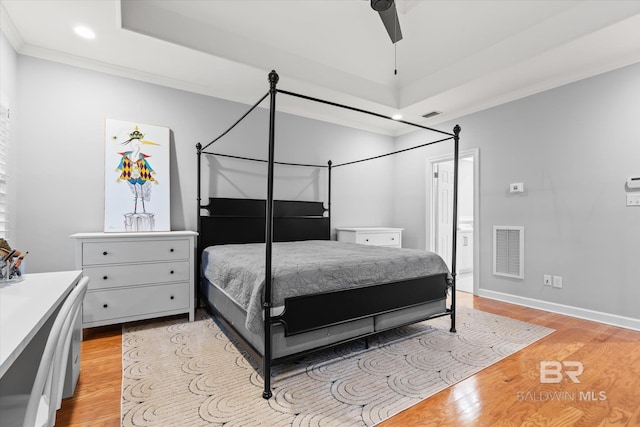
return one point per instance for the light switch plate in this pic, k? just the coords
(516, 187)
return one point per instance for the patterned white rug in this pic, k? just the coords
(177, 373)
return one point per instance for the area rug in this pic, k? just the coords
(177, 373)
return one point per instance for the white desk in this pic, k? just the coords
(25, 316)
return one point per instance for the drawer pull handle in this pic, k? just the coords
(105, 277)
(171, 250)
(105, 305)
(171, 271)
(171, 297)
(366, 240)
(393, 238)
(105, 253)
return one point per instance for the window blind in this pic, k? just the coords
(4, 147)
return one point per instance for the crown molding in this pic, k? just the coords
(111, 69)
(147, 77)
(10, 30)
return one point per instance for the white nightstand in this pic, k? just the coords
(136, 276)
(377, 236)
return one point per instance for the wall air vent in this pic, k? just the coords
(432, 114)
(508, 251)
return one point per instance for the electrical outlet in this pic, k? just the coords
(546, 279)
(557, 282)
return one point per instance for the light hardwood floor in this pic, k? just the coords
(508, 393)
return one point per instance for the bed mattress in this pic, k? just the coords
(307, 267)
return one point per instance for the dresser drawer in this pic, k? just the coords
(112, 252)
(110, 304)
(379, 238)
(114, 276)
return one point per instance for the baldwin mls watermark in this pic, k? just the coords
(556, 372)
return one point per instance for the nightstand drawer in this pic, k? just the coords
(375, 236)
(379, 238)
(112, 252)
(113, 276)
(99, 306)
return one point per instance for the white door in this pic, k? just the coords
(444, 208)
(443, 217)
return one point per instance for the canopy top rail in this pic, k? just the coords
(266, 161)
(359, 110)
(201, 149)
(236, 123)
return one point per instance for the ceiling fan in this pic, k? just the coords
(389, 15)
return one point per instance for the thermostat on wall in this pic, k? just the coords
(633, 182)
(517, 187)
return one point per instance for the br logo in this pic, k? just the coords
(553, 372)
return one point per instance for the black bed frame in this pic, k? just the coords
(228, 220)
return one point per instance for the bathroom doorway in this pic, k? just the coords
(440, 172)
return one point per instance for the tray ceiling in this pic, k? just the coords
(457, 57)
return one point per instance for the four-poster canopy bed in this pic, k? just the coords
(271, 275)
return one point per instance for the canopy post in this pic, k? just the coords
(456, 155)
(266, 394)
(199, 224)
(330, 164)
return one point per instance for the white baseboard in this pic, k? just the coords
(567, 310)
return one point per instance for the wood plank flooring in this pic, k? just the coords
(508, 393)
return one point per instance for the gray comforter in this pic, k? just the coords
(308, 267)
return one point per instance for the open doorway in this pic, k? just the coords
(440, 173)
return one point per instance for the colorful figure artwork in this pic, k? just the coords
(137, 156)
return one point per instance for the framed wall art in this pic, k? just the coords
(137, 196)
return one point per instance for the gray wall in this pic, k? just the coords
(574, 148)
(61, 153)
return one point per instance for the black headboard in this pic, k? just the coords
(229, 220)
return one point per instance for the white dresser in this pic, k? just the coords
(378, 236)
(136, 276)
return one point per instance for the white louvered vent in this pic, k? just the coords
(508, 251)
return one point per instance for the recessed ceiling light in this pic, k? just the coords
(396, 116)
(84, 32)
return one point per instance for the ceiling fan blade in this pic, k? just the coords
(391, 23)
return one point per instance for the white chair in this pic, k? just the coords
(39, 407)
(62, 351)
